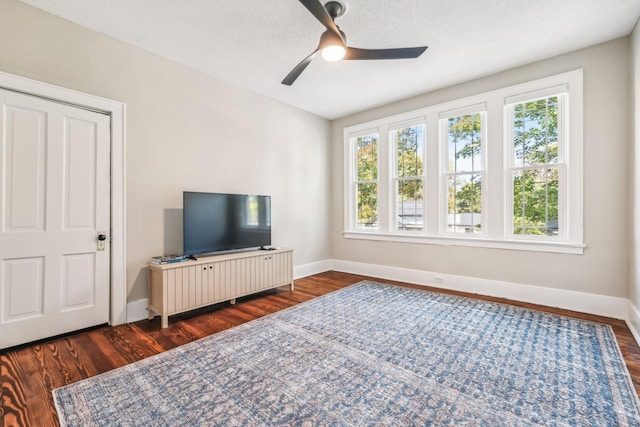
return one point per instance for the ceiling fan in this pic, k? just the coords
(333, 42)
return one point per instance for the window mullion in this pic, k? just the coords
(384, 173)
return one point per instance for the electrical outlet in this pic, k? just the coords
(438, 279)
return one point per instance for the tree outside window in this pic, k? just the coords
(367, 181)
(409, 146)
(536, 173)
(465, 173)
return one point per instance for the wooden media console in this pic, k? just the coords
(183, 286)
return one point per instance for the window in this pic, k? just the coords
(501, 169)
(464, 173)
(536, 170)
(366, 181)
(409, 149)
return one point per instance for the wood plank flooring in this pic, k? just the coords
(28, 374)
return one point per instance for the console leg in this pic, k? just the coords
(292, 287)
(164, 321)
(233, 301)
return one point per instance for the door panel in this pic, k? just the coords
(55, 174)
(79, 271)
(22, 289)
(24, 187)
(80, 155)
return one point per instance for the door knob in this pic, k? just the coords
(102, 238)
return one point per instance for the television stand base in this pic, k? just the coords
(178, 287)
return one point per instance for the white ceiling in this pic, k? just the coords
(255, 43)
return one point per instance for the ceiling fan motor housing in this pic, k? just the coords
(330, 38)
(335, 9)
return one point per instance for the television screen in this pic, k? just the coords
(215, 222)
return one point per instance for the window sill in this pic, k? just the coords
(517, 245)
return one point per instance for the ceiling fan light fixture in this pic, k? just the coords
(333, 53)
(331, 46)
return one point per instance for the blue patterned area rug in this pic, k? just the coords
(374, 354)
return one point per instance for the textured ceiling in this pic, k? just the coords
(255, 43)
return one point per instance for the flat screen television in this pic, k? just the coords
(215, 222)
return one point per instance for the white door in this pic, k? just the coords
(55, 196)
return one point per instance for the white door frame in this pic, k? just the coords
(118, 306)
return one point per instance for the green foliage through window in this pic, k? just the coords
(464, 180)
(367, 175)
(409, 145)
(535, 175)
(410, 149)
(367, 152)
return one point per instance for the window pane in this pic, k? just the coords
(367, 157)
(464, 143)
(535, 185)
(367, 206)
(535, 129)
(410, 150)
(535, 202)
(410, 205)
(464, 203)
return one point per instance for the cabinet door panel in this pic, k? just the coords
(210, 296)
(253, 274)
(190, 277)
(223, 280)
(268, 274)
(204, 286)
(171, 290)
(176, 293)
(282, 268)
(241, 276)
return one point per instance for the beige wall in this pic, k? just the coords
(185, 131)
(604, 267)
(634, 283)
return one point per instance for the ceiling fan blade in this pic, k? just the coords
(400, 53)
(298, 69)
(317, 9)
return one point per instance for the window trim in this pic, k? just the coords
(496, 157)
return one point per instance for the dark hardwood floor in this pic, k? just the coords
(28, 374)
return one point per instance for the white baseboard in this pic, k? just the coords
(311, 269)
(137, 310)
(633, 321)
(601, 305)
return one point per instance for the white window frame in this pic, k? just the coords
(563, 168)
(351, 199)
(497, 186)
(395, 179)
(444, 167)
